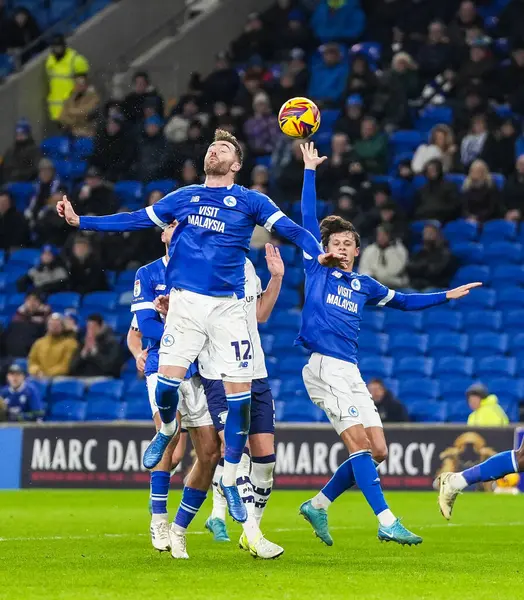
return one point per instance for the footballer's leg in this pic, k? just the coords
(497, 466)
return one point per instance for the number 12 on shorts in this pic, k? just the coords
(242, 350)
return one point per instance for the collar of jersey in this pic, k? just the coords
(225, 187)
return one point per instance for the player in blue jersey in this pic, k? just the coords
(334, 302)
(205, 276)
(192, 413)
(451, 484)
(19, 399)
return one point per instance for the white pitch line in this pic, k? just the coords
(52, 538)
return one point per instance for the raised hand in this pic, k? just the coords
(330, 259)
(65, 210)
(462, 290)
(310, 155)
(275, 264)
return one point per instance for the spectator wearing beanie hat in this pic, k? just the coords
(21, 158)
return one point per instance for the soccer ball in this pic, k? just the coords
(299, 118)
(509, 480)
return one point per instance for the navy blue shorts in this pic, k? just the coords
(262, 405)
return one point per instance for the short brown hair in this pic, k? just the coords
(221, 135)
(335, 224)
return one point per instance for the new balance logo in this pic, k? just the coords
(195, 199)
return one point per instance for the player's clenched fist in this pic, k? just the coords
(66, 211)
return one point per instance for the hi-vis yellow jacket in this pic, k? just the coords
(60, 74)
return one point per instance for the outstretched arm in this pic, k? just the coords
(309, 192)
(421, 301)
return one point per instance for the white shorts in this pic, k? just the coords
(192, 402)
(195, 320)
(337, 387)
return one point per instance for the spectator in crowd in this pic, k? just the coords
(281, 91)
(433, 265)
(114, 149)
(289, 180)
(177, 127)
(390, 409)
(99, 353)
(95, 196)
(499, 149)
(70, 323)
(47, 184)
(328, 77)
(485, 407)
(133, 106)
(350, 122)
(509, 87)
(441, 146)
(26, 326)
(78, 111)
(49, 276)
(23, 31)
(51, 355)
(513, 194)
(380, 198)
(49, 227)
(222, 84)
(21, 159)
(293, 33)
(260, 179)
(466, 18)
(347, 206)
(336, 167)
(154, 154)
(392, 217)
(250, 86)
(438, 199)
(473, 143)
(472, 103)
(480, 196)
(478, 68)
(189, 174)
(385, 260)
(511, 21)
(371, 149)
(62, 64)
(338, 20)
(86, 272)
(361, 79)
(278, 14)
(298, 68)
(254, 40)
(14, 231)
(436, 54)
(121, 251)
(21, 399)
(261, 130)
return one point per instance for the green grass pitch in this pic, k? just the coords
(58, 545)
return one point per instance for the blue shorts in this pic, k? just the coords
(262, 405)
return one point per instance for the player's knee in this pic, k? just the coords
(380, 453)
(519, 455)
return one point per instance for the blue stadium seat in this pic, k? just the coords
(427, 411)
(498, 230)
(434, 115)
(407, 344)
(272, 366)
(129, 192)
(301, 411)
(455, 365)
(70, 389)
(477, 299)
(510, 298)
(496, 253)
(56, 147)
(8, 280)
(441, 320)
(405, 141)
(126, 278)
(373, 342)
(460, 231)
(488, 344)
(62, 300)
(292, 385)
(288, 298)
(67, 410)
(288, 254)
(457, 178)
(498, 179)
(138, 411)
(82, 148)
(267, 339)
(284, 340)
(506, 387)
(286, 319)
(25, 257)
(396, 320)
(125, 298)
(457, 409)
(256, 255)
(111, 389)
(7, 65)
(413, 366)
(373, 320)
(507, 275)
(99, 301)
(415, 389)
(445, 344)
(294, 277)
(511, 408)
(104, 410)
(376, 367)
(471, 273)
(516, 340)
(392, 385)
(162, 185)
(2, 258)
(22, 193)
(135, 390)
(496, 366)
(469, 253)
(482, 320)
(453, 386)
(292, 364)
(13, 302)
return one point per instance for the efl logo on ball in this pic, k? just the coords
(299, 118)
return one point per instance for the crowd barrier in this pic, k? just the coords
(109, 455)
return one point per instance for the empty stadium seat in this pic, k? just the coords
(56, 147)
(510, 298)
(25, 257)
(444, 344)
(498, 230)
(373, 342)
(102, 301)
(405, 141)
(104, 410)
(455, 365)
(67, 410)
(457, 410)
(460, 231)
(62, 300)
(138, 411)
(376, 367)
(507, 275)
(162, 185)
(82, 147)
(457, 178)
(516, 339)
(470, 274)
(129, 192)
(288, 298)
(496, 253)
(511, 408)
(22, 192)
(482, 320)
(301, 411)
(407, 344)
(294, 277)
(396, 320)
(111, 389)
(415, 389)
(288, 254)
(496, 366)
(433, 115)
(291, 386)
(505, 387)
(286, 319)
(292, 364)
(478, 299)
(488, 344)
(413, 366)
(453, 385)
(284, 340)
(441, 320)
(373, 320)
(272, 366)
(498, 179)
(469, 253)
(428, 411)
(66, 390)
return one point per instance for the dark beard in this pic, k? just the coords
(216, 169)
